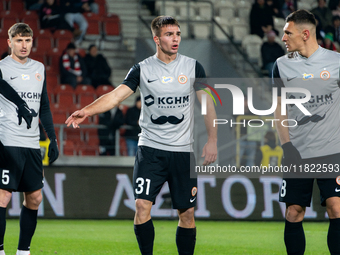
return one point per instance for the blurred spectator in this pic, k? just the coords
(72, 67)
(33, 5)
(113, 120)
(270, 51)
(97, 67)
(288, 7)
(88, 6)
(51, 16)
(333, 5)
(132, 119)
(335, 29)
(270, 154)
(328, 42)
(261, 20)
(324, 14)
(72, 10)
(150, 5)
(274, 6)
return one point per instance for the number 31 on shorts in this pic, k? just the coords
(140, 186)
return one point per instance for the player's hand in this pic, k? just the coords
(209, 153)
(25, 112)
(291, 154)
(76, 118)
(53, 151)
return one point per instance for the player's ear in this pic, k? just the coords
(156, 39)
(305, 34)
(9, 43)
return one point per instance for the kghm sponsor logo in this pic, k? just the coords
(167, 102)
(30, 95)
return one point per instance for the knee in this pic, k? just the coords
(187, 216)
(295, 213)
(333, 209)
(143, 208)
(5, 198)
(32, 202)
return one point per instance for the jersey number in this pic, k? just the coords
(140, 183)
(5, 177)
(283, 188)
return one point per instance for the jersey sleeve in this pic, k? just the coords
(45, 113)
(8, 92)
(132, 79)
(276, 79)
(200, 76)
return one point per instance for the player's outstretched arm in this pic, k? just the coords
(23, 110)
(210, 148)
(102, 104)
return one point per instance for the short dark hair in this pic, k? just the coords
(160, 22)
(91, 46)
(301, 17)
(270, 135)
(21, 29)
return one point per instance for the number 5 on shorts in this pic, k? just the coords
(5, 177)
(140, 185)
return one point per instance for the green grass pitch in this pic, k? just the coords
(98, 237)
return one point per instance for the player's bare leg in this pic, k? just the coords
(333, 210)
(5, 197)
(28, 220)
(144, 229)
(294, 235)
(186, 232)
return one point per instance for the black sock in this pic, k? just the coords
(294, 238)
(2, 226)
(28, 222)
(145, 234)
(333, 236)
(185, 240)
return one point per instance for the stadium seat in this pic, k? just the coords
(252, 46)
(61, 33)
(239, 29)
(225, 10)
(38, 55)
(64, 96)
(59, 116)
(43, 33)
(29, 14)
(111, 27)
(3, 6)
(43, 44)
(279, 23)
(3, 43)
(123, 147)
(85, 99)
(61, 43)
(69, 148)
(8, 21)
(85, 89)
(32, 22)
(53, 57)
(53, 80)
(89, 151)
(202, 30)
(16, 6)
(103, 89)
(204, 11)
(94, 31)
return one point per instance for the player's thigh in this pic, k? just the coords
(182, 181)
(12, 169)
(328, 188)
(296, 191)
(32, 176)
(149, 172)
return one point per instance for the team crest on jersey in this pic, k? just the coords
(193, 191)
(182, 79)
(307, 76)
(167, 79)
(338, 180)
(25, 77)
(38, 76)
(325, 75)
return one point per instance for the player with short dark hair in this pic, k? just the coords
(21, 162)
(315, 138)
(166, 82)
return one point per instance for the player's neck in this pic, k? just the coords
(166, 58)
(21, 61)
(309, 50)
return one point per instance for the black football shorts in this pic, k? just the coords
(153, 167)
(22, 170)
(299, 190)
